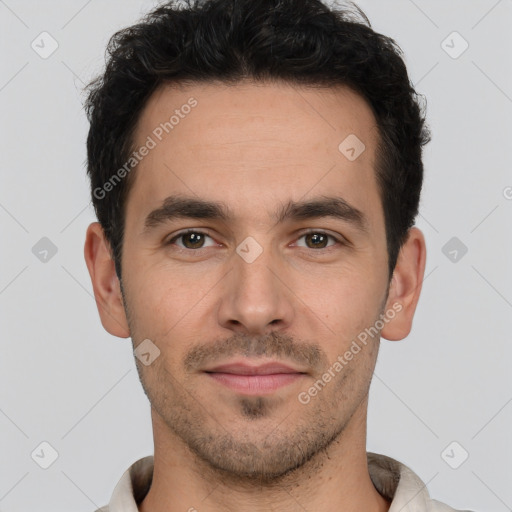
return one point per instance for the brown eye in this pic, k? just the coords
(190, 240)
(316, 240)
(319, 240)
(193, 240)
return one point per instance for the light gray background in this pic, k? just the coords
(65, 381)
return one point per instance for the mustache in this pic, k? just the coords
(273, 345)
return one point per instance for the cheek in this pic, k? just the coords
(348, 290)
(165, 301)
(346, 303)
(151, 298)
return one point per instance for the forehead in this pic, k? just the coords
(252, 142)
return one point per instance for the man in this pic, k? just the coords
(256, 171)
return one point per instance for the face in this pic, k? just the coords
(254, 255)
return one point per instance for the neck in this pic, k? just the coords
(334, 480)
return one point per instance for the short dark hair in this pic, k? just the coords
(302, 42)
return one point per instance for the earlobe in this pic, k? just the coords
(405, 287)
(107, 290)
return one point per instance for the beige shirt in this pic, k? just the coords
(391, 478)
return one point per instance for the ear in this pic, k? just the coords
(405, 287)
(107, 289)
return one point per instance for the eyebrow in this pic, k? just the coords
(183, 207)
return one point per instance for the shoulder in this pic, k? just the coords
(400, 484)
(437, 506)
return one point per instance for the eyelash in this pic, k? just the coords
(339, 241)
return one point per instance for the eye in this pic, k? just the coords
(191, 239)
(194, 239)
(318, 240)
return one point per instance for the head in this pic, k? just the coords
(286, 139)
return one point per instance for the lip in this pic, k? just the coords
(252, 379)
(243, 368)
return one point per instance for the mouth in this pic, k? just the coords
(250, 379)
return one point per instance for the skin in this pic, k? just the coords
(255, 147)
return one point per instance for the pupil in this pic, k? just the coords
(316, 237)
(194, 239)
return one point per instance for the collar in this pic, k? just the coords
(391, 478)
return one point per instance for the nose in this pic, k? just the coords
(255, 298)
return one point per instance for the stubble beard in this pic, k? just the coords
(270, 449)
